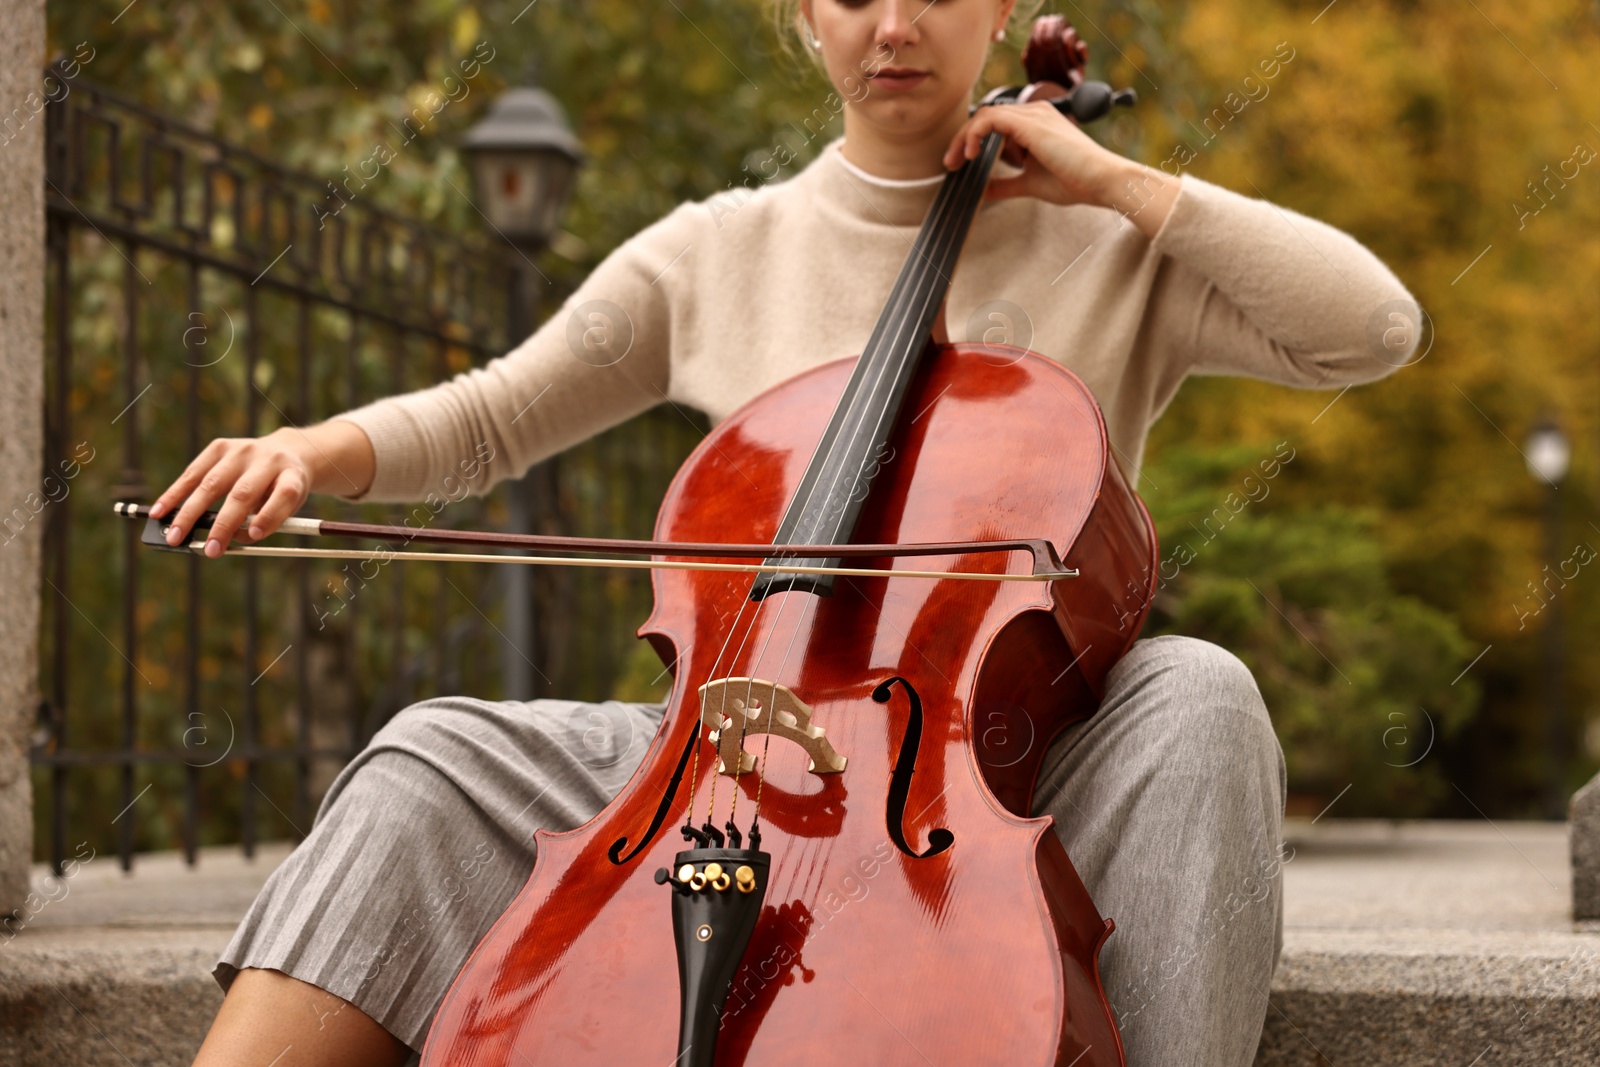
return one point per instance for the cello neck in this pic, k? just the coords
(828, 501)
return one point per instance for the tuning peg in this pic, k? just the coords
(1094, 100)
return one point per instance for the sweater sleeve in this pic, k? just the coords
(598, 361)
(1283, 297)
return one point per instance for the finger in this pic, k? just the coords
(216, 481)
(247, 492)
(961, 144)
(1016, 123)
(980, 129)
(287, 495)
(185, 482)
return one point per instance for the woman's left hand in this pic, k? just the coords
(1063, 165)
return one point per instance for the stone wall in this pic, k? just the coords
(22, 55)
(1583, 828)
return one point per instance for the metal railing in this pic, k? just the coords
(196, 289)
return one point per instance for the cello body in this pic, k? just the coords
(911, 917)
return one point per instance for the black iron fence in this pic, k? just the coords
(197, 290)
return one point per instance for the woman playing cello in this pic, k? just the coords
(1168, 798)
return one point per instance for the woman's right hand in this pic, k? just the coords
(269, 477)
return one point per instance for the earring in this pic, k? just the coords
(811, 39)
(1000, 34)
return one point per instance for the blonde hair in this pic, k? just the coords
(789, 24)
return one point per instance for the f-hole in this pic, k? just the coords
(615, 852)
(904, 766)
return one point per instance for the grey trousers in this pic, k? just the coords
(1169, 800)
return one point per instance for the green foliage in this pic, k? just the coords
(643, 679)
(1403, 536)
(668, 99)
(1417, 127)
(1356, 675)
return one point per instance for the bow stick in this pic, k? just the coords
(1047, 566)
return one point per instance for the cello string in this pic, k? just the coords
(941, 236)
(722, 717)
(970, 177)
(936, 239)
(694, 773)
(761, 654)
(899, 323)
(766, 746)
(716, 666)
(940, 239)
(941, 208)
(896, 331)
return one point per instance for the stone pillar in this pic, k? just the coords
(1583, 826)
(22, 45)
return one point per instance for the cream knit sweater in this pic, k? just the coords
(723, 299)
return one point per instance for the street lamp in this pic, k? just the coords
(523, 156)
(1548, 454)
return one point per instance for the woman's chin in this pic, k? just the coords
(904, 116)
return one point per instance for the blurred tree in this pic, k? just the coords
(1442, 135)
(1418, 127)
(1357, 675)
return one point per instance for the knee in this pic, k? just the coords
(1201, 674)
(440, 723)
(413, 726)
(1212, 702)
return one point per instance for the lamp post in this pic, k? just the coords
(1548, 453)
(523, 156)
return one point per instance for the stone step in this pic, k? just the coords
(1434, 944)
(1409, 944)
(115, 969)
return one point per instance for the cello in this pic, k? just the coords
(874, 881)
(870, 882)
